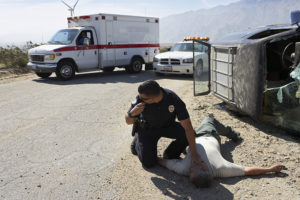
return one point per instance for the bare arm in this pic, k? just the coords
(253, 171)
(190, 135)
(134, 112)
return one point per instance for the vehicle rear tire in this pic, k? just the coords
(65, 70)
(43, 75)
(135, 66)
(108, 69)
(199, 68)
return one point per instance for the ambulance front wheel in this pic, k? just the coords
(43, 75)
(65, 70)
(135, 66)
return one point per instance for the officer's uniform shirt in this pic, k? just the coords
(164, 113)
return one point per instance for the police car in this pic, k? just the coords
(179, 60)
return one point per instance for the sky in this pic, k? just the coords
(38, 20)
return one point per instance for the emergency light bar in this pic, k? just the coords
(80, 17)
(196, 38)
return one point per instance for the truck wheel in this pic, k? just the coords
(199, 68)
(136, 65)
(65, 70)
(43, 75)
(108, 69)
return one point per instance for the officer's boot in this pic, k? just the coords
(132, 146)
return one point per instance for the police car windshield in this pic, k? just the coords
(187, 47)
(65, 36)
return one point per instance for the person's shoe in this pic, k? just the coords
(233, 135)
(132, 146)
(237, 137)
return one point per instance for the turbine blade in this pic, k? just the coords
(66, 4)
(75, 4)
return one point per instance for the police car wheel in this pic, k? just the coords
(199, 68)
(136, 65)
(44, 75)
(65, 70)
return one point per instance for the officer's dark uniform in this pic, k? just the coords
(160, 122)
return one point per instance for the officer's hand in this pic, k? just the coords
(138, 109)
(198, 161)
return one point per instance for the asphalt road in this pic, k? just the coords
(57, 139)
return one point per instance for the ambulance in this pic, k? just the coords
(98, 42)
(179, 59)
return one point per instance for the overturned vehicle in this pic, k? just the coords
(257, 73)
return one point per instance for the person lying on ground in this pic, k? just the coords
(208, 147)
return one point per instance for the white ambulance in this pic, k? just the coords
(100, 41)
(179, 60)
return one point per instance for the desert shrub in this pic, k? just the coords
(15, 57)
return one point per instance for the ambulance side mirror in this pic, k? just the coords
(86, 42)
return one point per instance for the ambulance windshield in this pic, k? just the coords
(65, 36)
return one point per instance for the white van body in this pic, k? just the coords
(112, 41)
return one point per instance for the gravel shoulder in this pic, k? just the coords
(263, 146)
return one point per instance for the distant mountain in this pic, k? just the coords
(222, 20)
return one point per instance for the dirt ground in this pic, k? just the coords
(263, 146)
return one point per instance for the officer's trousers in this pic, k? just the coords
(146, 144)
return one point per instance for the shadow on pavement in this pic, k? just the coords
(112, 77)
(180, 187)
(260, 125)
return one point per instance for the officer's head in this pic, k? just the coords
(199, 177)
(150, 92)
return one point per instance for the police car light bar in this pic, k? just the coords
(197, 38)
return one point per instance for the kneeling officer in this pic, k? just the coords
(154, 112)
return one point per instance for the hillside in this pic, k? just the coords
(221, 20)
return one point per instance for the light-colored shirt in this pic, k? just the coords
(209, 150)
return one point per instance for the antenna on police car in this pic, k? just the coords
(70, 8)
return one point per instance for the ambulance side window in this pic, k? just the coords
(85, 34)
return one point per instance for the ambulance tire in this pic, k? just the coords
(43, 75)
(135, 66)
(65, 70)
(108, 69)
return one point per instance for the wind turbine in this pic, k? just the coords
(70, 8)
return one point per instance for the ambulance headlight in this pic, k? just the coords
(187, 60)
(155, 59)
(49, 57)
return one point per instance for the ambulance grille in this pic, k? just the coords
(37, 58)
(175, 62)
